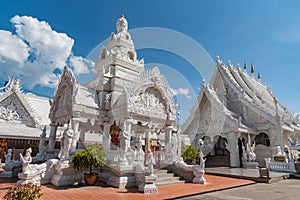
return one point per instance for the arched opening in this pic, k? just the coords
(103, 55)
(263, 139)
(114, 136)
(131, 55)
(262, 148)
(221, 157)
(241, 142)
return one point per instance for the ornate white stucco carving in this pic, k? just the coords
(62, 103)
(9, 113)
(14, 106)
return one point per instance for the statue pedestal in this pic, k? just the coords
(121, 177)
(38, 174)
(199, 175)
(250, 165)
(6, 174)
(146, 184)
(65, 174)
(145, 180)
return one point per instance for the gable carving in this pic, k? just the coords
(11, 109)
(62, 103)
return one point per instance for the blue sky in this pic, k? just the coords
(264, 32)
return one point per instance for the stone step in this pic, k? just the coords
(169, 175)
(160, 171)
(167, 178)
(164, 179)
(169, 182)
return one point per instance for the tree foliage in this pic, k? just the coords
(93, 156)
(190, 154)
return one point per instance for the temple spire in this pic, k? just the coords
(245, 66)
(252, 68)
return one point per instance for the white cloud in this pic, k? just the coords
(182, 91)
(81, 65)
(35, 51)
(12, 47)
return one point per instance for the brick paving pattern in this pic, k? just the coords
(101, 191)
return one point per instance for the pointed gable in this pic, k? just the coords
(15, 108)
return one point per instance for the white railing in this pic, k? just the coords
(113, 156)
(280, 166)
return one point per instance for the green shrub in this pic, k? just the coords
(27, 191)
(93, 156)
(190, 154)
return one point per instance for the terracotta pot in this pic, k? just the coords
(91, 179)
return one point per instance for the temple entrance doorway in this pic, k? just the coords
(241, 142)
(262, 148)
(220, 156)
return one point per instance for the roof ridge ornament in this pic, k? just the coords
(252, 68)
(122, 24)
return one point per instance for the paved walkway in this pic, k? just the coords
(101, 191)
(286, 189)
(250, 174)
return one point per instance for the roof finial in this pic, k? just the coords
(122, 16)
(258, 76)
(252, 68)
(245, 66)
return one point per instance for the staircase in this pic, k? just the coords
(164, 177)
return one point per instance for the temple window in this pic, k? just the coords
(103, 55)
(263, 139)
(131, 55)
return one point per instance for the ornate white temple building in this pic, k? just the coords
(134, 111)
(232, 106)
(123, 98)
(22, 117)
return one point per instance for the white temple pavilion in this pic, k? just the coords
(233, 105)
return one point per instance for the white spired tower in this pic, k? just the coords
(117, 67)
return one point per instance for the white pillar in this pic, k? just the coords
(52, 140)
(75, 128)
(106, 137)
(168, 136)
(234, 150)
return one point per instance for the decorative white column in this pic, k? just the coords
(168, 136)
(75, 128)
(52, 140)
(106, 137)
(234, 150)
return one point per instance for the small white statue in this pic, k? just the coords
(26, 160)
(150, 162)
(248, 152)
(124, 141)
(8, 156)
(66, 142)
(42, 147)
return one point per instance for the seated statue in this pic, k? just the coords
(26, 160)
(8, 156)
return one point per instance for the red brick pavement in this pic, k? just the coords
(101, 191)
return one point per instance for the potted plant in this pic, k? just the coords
(92, 156)
(189, 154)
